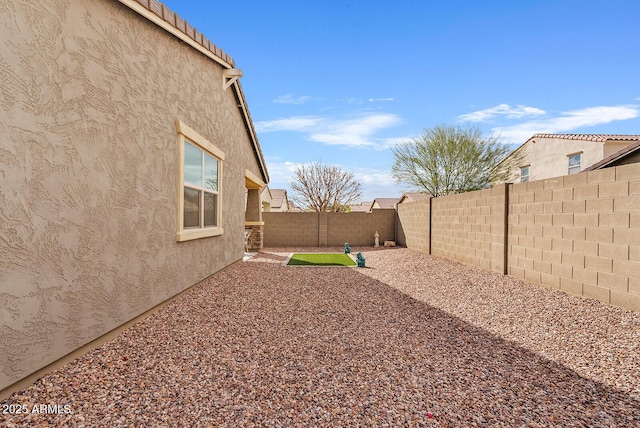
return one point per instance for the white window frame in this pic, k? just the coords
(575, 168)
(524, 178)
(188, 135)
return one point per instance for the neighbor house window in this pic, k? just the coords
(199, 213)
(574, 163)
(524, 174)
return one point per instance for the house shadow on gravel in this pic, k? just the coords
(260, 344)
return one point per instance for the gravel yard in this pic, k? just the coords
(411, 340)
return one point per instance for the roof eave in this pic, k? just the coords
(621, 154)
(159, 14)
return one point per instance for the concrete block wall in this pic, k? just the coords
(469, 227)
(580, 233)
(359, 228)
(295, 229)
(413, 226)
(577, 233)
(285, 229)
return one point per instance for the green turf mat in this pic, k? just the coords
(321, 260)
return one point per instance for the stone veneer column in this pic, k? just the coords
(253, 220)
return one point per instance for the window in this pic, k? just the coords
(200, 188)
(524, 173)
(199, 213)
(574, 163)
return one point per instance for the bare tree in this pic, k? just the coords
(324, 187)
(452, 159)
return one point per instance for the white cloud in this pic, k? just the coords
(567, 121)
(377, 184)
(387, 143)
(289, 99)
(363, 101)
(375, 177)
(295, 123)
(279, 172)
(356, 132)
(375, 100)
(502, 110)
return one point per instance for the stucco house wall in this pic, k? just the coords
(280, 200)
(89, 155)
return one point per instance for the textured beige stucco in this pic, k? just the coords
(90, 94)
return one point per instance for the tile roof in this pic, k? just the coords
(386, 202)
(277, 196)
(172, 18)
(362, 207)
(631, 148)
(590, 137)
(415, 196)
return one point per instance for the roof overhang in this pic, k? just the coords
(252, 181)
(158, 18)
(160, 15)
(615, 157)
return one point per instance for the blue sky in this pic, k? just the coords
(342, 81)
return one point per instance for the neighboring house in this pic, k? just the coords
(126, 149)
(630, 154)
(554, 155)
(275, 200)
(384, 203)
(413, 197)
(362, 207)
(266, 199)
(280, 201)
